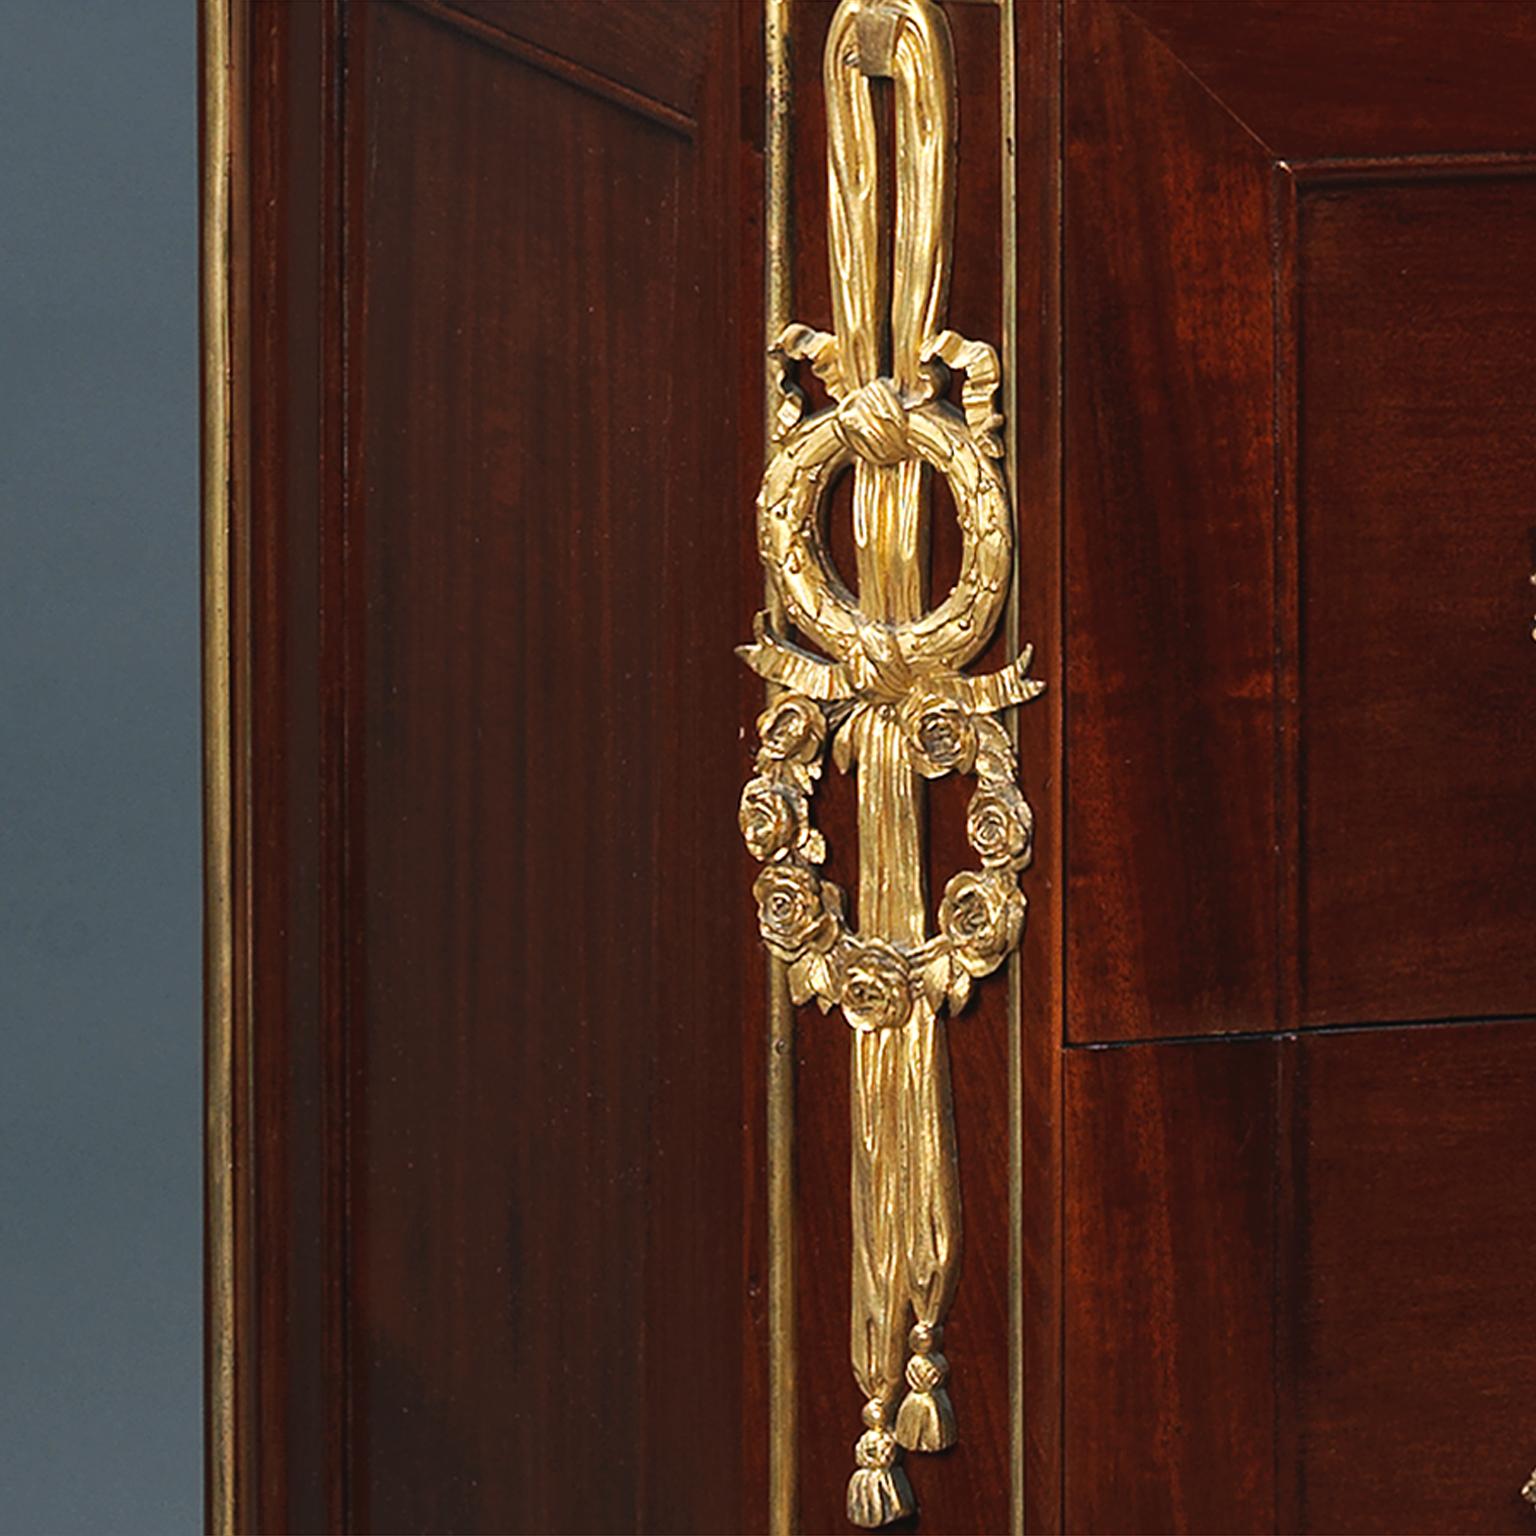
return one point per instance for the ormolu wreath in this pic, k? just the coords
(887, 694)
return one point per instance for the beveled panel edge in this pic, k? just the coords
(1389, 170)
(556, 65)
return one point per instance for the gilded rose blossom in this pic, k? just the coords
(770, 817)
(982, 916)
(874, 985)
(999, 825)
(791, 913)
(941, 735)
(792, 729)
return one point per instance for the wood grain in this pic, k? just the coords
(499, 1127)
(1036, 477)
(1418, 539)
(1321, 79)
(501, 992)
(1416, 1362)
(1169, 547)
(1170, 1405)
(289, 301)
(547, 1203)
(661, 53)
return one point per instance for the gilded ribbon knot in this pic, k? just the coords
(884, 689)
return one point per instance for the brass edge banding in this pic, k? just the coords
(218, 833)
(783, 1360)
(1008, 127)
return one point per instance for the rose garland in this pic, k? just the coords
(802, 916)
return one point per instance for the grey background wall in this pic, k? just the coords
(99, 823)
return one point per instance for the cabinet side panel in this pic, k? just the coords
(557, 963)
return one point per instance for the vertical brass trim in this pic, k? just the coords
(783, 1360)
(1008, 129)
(218, 744)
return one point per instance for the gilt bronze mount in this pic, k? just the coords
(884, 691)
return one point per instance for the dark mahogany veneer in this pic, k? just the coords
(500, 1103)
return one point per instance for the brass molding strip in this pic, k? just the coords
(1008, 131)
(218, 746)
(884, 688)
(783, 1351)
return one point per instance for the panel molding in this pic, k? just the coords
(1390, 170)
(557, 66)
(1420, 187)
(1312, 78)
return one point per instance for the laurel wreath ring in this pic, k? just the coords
(794, 487)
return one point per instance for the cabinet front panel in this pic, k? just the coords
(1417, 454)
(1414, 1354)
(1170, 1232)
(1169, 546)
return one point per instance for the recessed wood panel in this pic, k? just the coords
(1415, 1351)
(1417, 381)
(1170, 1397)
(555, 975)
